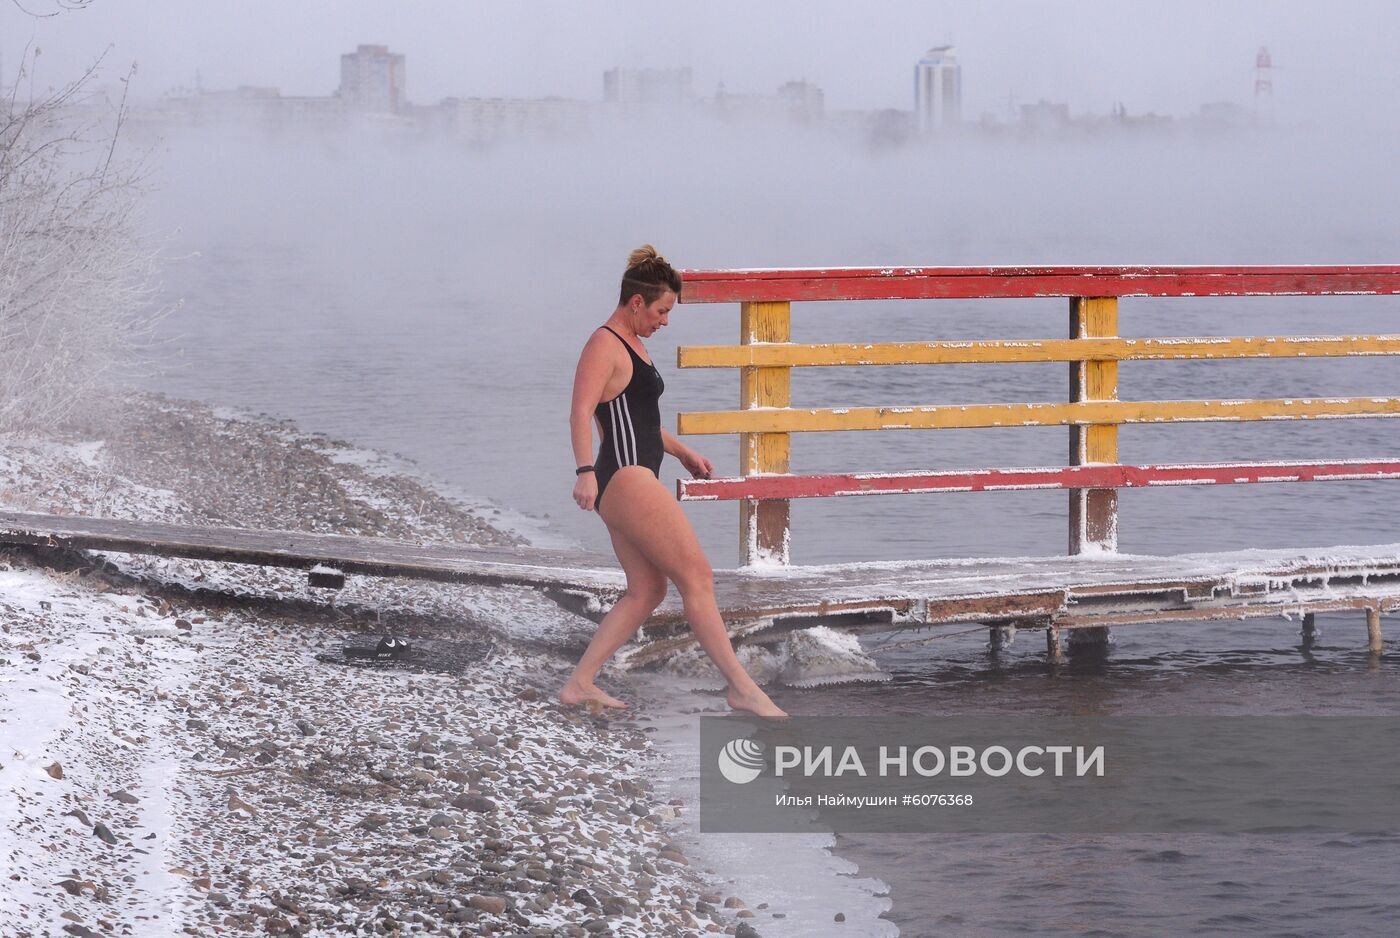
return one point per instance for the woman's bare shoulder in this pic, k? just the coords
(602, 341)
(601, 351)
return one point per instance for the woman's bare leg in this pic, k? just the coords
(643, 511)
(646, 587)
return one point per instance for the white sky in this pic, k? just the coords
(1163, 55)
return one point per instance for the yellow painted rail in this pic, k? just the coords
(796, 355)
(1087, 413)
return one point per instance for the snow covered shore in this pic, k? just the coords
(174, 758)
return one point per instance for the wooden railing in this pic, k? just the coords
(766, 356)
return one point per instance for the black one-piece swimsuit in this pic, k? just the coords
(631, 424)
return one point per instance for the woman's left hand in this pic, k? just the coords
(698, 466)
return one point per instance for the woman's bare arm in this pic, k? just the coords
(697, 465)
(595, 366)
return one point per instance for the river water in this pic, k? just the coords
(432, 301)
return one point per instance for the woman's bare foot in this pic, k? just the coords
(576, 692)
(755, 701)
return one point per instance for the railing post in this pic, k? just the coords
(764, 525)
(1093, 513)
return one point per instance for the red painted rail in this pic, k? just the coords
(762, 487)
(916, 283)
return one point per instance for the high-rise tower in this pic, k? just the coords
(938, 90)
(372, 79)
(662, 86)
(1264, 85)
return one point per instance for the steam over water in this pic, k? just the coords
(432, 301)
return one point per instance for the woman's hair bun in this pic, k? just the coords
(649, 275)
(643, 254)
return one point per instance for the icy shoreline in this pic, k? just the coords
(176, 760)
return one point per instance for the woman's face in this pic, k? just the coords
(652, 316)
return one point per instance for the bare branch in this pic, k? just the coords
(78, 276)
(60, 4)
(37, 16)
(121, 118)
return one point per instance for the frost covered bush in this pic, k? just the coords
(77, 274)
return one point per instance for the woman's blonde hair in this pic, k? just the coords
(649, 275)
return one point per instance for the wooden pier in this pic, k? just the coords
(764, 604)
(1056, 594)
(1091, 589)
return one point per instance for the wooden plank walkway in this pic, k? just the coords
(451, 563)
(762, 604)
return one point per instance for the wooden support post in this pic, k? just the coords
(1053, 649)
(1309, 629)
(1092, 640)
(1374, 643)
(764, 525)
(999, 636)
(1093, 513)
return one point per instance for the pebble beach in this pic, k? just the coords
(186, 751)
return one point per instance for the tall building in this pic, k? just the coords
(938, 90)
(372, 79)
(647, 85)
(805, 102)
(1264, 86)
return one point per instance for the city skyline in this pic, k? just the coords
(373, 92)
(1092, 56)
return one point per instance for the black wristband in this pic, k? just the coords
(582, 469)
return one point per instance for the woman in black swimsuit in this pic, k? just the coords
(618, 388)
